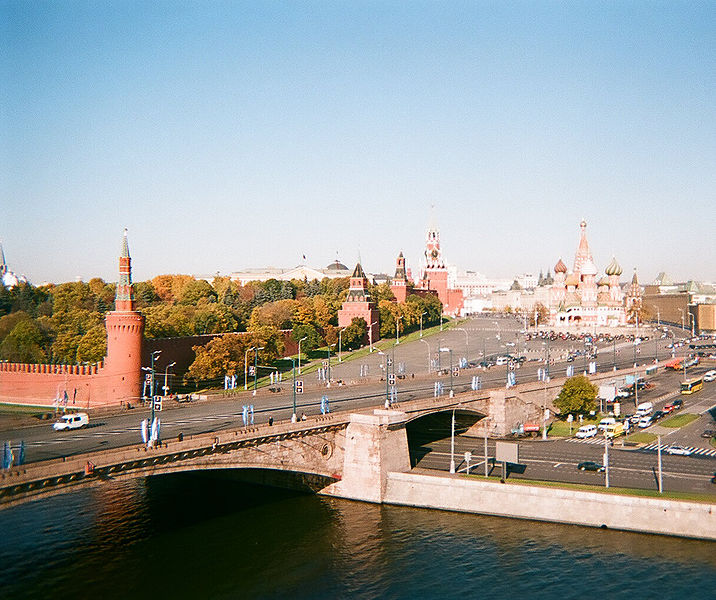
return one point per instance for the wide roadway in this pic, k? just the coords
(42, 443)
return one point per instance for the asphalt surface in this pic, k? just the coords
(42, 443)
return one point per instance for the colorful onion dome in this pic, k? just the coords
(560, 267)
(613, 268)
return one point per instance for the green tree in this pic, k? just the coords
(23, 344)
(195, 291)
(92, 346)
(221, 356)
(313, 338)
(577, 396)
(354, 334)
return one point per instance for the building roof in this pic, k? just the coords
(336, 266)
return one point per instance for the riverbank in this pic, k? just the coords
(558, 505)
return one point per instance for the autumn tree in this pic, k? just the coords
(354, 334)
(23, 344)
(92, 347)
(577, 396)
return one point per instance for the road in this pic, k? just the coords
(117, 430)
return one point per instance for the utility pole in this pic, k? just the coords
(661, 484)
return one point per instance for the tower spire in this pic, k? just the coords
(3, 264)
(124, 299)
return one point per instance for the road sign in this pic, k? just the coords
(299, 386)
(157, 404)
(391, 379)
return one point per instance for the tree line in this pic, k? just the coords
(64, 323)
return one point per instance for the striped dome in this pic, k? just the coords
(613, 268)
(560, 267)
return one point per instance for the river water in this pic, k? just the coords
(189, 536)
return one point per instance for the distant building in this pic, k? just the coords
(435, 275)
(7, 277)
(334, 270)
(578, 298)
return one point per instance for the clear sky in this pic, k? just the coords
(227, 135)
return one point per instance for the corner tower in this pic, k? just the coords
(358, 303)
(125, 334)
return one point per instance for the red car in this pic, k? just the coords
(668, 408)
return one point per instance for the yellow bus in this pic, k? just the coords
(692, 385)
(614, 430)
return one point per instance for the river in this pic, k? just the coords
(189, 536)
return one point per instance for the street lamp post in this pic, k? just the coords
(246, 367)
(421, 323)
(293, 368)
(340, 344)
(151, 391)
(452, 443)
(428, 345)
(256, 366)
(299, 353)
(329, 365)
(397, 329)
(451, 386)
(467, 345)
(166, 378)
(693, 324)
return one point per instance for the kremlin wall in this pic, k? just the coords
(115, 381)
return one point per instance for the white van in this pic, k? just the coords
(645, 408)
(606, 422)
(587, 431)
(645, 421)
(73, 421)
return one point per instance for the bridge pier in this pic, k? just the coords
(375, 444)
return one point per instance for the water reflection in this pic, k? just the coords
(189, 536)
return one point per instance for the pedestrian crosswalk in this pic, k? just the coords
(653, 447)
(595, 440)
(694, 450)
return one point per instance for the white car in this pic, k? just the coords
(586, 431)
(679, 450)
(72, 421)
(606, 422)
(710, 375)
(645, 422)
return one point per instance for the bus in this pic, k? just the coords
(692, 385)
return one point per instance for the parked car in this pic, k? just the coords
(590, 465)
(709, 433)
(681, 450)
(586, 431)
(71, 421)
(710, 376)
(657, 415)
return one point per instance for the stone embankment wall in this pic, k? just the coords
(647, 515)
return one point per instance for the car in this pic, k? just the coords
(678, 403)
(644, 422)
(657, 415)
(586, 431)
(590, 465)
(71, 421)
(667, 409)
(709, 433)
(680, 450)
(634, 419)
(606, 422)
(710, 376)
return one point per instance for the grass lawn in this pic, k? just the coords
(603, 490)
(679, 420)
(642, 437)
(561, 428)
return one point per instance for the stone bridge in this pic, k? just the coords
(344, 454)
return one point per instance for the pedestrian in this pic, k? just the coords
(270, 421)
(303, 416)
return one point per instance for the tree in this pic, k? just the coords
(313, 338)
(221, 356)
(354, 334)
(577, 396)
(277, 314)
(542, 313)
(23, 344)
(195, 291)
(93, 345)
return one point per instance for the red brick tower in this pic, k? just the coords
(400, 286)
(359, 304)
(125, 333)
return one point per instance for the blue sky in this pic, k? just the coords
(227, 135)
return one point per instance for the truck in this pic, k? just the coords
(608, 392)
